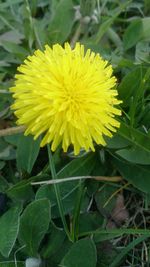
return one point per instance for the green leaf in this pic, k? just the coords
(8, 153)
(135, 155)
(130, 39)
(136, 137)
(108, 22)
(82, 253)
(19, 51)
(102, 195)
(62, 22)
(129, 84)
(68, 197)
(90, 221)
(13, 139)
(138, 175)
(9, 227)
(78, 167)
(142, 53)
(27, 152)
(104, 28)
(21, 191)
(60, 252)
(54, 241)
(68, 190)
(2, 164)
(117, 232)
(34, 224)
(13, 36)
(68, 194)
(116, 142)
(138, 30)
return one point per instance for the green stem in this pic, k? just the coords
(76, 214)
(57, 192)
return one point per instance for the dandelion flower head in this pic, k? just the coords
(68, 96)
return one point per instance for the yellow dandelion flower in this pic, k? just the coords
(67, 95)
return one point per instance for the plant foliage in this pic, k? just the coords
(108, 221)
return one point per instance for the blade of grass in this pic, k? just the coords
(76, 213)
(139, 92)
(125, 251)
(57, 192)
(118, 232)
(107, 23)
(33, 28)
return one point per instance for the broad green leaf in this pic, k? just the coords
(9, 227)
(60, 252)
(138, 175)
(54, 241)
(41, 34)
(77, 167)
(142, 53)
(116, 142)
(61, 24)
(137, 138)
(2, 164)
(19, 51)
(13, 36)
(90, 221)
(146, 28)
(130, 39)
(82, 253)
(27, 152)
(102, 196)
(67, 198)
(135, 155)
(3, 144)
(130, 84)
(13, 139)
(34, 224)
(138, 30)
(8, 153)
(21, 191)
